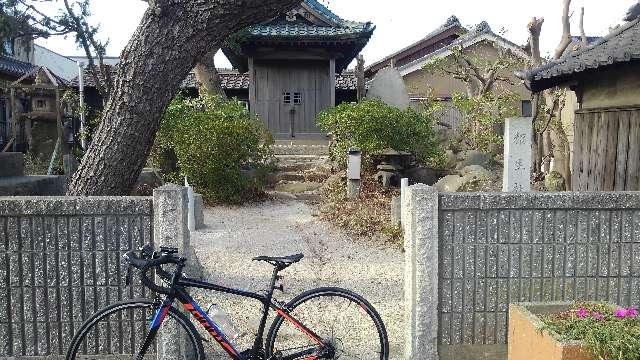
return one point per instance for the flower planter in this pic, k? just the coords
(528, 340)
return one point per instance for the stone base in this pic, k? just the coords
(11, 164)
(33, 186)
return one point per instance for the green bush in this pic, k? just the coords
(373, 126)
(216, 143)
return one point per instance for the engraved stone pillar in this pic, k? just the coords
(517, 155)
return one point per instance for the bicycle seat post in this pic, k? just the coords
(265, 309)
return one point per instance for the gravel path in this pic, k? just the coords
(234, 235)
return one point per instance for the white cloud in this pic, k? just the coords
(399, 23)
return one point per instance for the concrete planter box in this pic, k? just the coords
(528, 340)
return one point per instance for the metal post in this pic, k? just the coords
(83, 140)
(354, 165)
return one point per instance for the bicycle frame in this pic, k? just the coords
(214, 330)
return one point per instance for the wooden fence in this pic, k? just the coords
(607, 150)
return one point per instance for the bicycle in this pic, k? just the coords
(288, 338)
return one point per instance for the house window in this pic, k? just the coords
(527, 110)
(40, 104)
(297, 98)
(286, 97)
(8, 47)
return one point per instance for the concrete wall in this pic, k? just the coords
(617, 87)
(497, 249)
(60, 261)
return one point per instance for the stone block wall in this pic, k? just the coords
(60, 261)
(470, 255)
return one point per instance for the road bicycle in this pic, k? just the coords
(323, 323)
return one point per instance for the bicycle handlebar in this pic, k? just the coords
(146, 262)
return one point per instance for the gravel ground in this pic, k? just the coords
(234, 235)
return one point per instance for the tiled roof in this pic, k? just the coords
(481, 32)
(347, 81)
(13, 67)
(620, 46)
(297, 29)
(307, 30)
(232, 80)
(451, 23)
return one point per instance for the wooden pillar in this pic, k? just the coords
(12, 104)
(252, 85)
(332, 82)
(360, 78)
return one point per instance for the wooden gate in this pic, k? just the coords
(607, 150)
(288, 96)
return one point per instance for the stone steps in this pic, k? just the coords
(297, 149)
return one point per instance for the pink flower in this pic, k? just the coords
(582, 313)
(598, 316)
(632, 312)
(621, 313)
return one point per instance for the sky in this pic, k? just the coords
(398, 23)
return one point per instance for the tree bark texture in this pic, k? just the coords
(171, 37)
(208, 76)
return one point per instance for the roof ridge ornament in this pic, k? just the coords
(483, 27)
(633, 12)
(452, 20)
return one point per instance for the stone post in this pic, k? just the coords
(354, 164)
(404, 184)
(170, 228)
(518, 133)
(420, 221)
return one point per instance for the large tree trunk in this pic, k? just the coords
(171, 37)
(207, 75)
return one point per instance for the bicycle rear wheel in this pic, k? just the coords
(343, 319)
(119, 330)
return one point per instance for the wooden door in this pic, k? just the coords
(289, 95)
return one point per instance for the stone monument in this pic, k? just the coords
(389, 87)
(518, 133)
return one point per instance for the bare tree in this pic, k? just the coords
(479, 75)
(172, 36)
(551, 132)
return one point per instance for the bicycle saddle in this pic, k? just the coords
(280, 262)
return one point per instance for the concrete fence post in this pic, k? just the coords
(171, 228)
(420, 222)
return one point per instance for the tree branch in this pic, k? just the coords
(565, 41)
(583, 34)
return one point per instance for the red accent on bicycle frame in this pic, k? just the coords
(228, 348)
(301, 328)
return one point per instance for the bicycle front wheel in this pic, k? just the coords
(119, 331)
(343, 319)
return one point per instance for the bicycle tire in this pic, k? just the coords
(308, 296)
(89, 326)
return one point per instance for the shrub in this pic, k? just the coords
(610, 333)
(216, 142)
(481, 114)
(373, 126)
